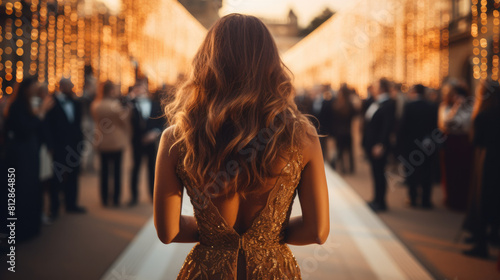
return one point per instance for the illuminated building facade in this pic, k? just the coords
(55, 39)
(400, 40)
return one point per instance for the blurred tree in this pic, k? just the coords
(316, 22)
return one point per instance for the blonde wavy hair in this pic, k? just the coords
(236, 113)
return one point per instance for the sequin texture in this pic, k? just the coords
(266, 254)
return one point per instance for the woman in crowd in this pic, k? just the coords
(112, 121)
(344, 112)
(46, 161)
(454, 120)
(24, 135)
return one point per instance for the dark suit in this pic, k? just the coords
(417, 124)
(24, 134)
(377, 130)
(366, 103)
(140, 127)
(66, 143)
(325, 118)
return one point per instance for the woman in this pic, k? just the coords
(24, 135)
(454, 119)
(344, 112)
(46, 161)
(242, 150)
(485, 209)
(112, 121)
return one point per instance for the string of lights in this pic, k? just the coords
(42, 50)
(483, 42)
(9, 10)
(410, 44)
(406, 44)
(1, 63)
(62, 37)
(444, 13)
(496, 45)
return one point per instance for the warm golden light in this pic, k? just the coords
(401, 40)
(406, 41)
(60, 42)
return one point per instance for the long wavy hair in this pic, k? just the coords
(235, 114)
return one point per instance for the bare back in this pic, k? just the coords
(239, 212)
(264, 222)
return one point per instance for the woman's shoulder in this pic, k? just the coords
(310, 141)
(168, 143)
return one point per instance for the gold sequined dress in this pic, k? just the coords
(265, 253)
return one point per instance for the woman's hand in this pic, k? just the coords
(314, 224)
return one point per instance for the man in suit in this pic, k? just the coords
(368, 100)
(418, 121)
(379, 122)
(66, 144)
(147, 126)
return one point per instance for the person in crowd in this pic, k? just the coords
(368, 100)
(416, 146)
(400, 98)
(111, 142)
(454, 120)
(147, 126)
(46, 161)
(24, 135)
(343, 114)
(64, 121)
(326, 120)
(434, 98)
(365, 103)
(4, 102)
(88, 126)
(486, 205)
(356, 100)
(379, 121)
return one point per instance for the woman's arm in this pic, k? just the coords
(314, 224)
(170, 225)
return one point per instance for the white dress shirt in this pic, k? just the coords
(375, 106)
(144, 106)
(68, 106)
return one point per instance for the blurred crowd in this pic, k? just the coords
(50, 138)
(417, 137)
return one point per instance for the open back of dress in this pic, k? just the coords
(261, 247)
